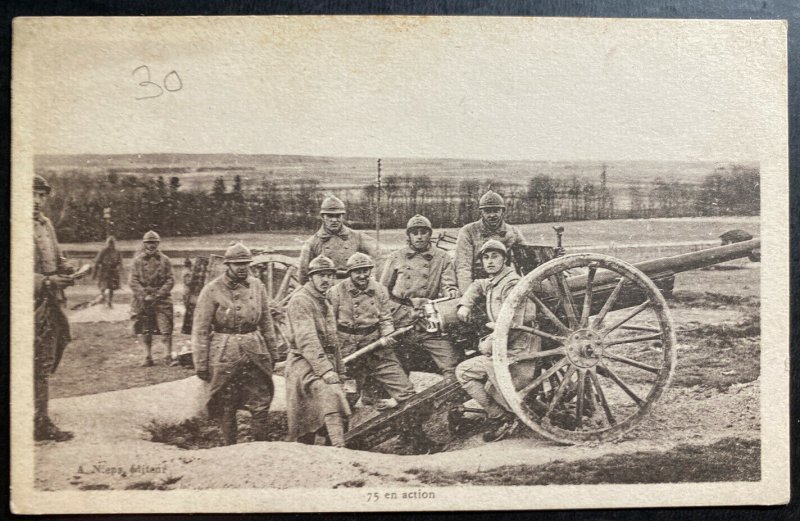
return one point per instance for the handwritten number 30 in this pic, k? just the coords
(171, 83)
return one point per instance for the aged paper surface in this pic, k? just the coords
(653, 115)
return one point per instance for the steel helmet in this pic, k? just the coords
(151, 236)
(491, 200)
(321, 263)
(238, 253)
(359, 260)
(419, 221)
(493, 245)
(332, 204)
(40, 184)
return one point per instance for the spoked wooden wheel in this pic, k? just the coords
(278, 273)
(608, 349)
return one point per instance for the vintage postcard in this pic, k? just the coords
(305, 264)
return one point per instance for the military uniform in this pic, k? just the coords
(151, 274)
(476, 375)
(52, 332)
(470, 238)
(338, 248)
(411, 276)
(233, 341)
(362, 317)
(313, 351)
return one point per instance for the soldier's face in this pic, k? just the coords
(238, 270)
(419, 238)
(493, 261)
(150, 246)
(39, 197)
(322, 280)
(332, 222)
(360, 277)
(493, 216)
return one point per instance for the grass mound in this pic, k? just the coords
(730, 459)
(204, 433)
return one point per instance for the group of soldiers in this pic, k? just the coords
(343, 305)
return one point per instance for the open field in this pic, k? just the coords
(705, 428)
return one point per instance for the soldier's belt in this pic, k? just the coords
(236, 330)
(357, 330)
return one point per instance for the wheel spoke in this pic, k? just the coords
(567, 302)
(602, 396)
(270, 268)
(609, 303)
(632, 339)
(622, 385)
(587, 296)
(641, 328)
(544, 376)
(579, 397)
(540, 306)
(559, 394)
(634, 363)
(539, 354)
(285, 282)
(635, 311)
(539, 332)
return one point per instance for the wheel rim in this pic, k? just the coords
(605, 368)
(279, 275)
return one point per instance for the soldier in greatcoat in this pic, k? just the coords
(361, 307)
(472, 236)
(234, 346)
(51, 276)
(476, 375)
(151, 281)
(315, 400)
(107, 269)
(334, 240)
(414, 274)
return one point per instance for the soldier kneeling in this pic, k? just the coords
(476, 375)
(234, 345)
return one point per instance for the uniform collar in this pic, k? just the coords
(501, 230)
(411, 253)
(343, 234)
(312, 290)
(149, 255)
(354, 291)
(506, 271)
(233, 284)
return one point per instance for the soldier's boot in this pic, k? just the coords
(229, 427)
(146, 342)
(334, 424)
(170, 358)
(110, 298)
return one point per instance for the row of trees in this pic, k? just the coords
(140, 203)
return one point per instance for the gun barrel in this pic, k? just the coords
(381, 342)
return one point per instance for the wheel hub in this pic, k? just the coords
(584, 348)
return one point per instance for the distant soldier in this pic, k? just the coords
(51, 276)
(314, 369)
(474, 373)
(234, 346)
(361, 307)
(491, 225)
(334, 240)
(414, 274)
(151, 281)
(107, 268)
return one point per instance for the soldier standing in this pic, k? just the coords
(414, 274)
(361, 307)
(473, 373)
(233, 345)
(51, 276)
(491, 225)
(151, 281)
(314, 369)
(334, 240)
(107, 268)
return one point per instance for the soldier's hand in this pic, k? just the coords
(331, 378)
(463, 313)
(62, 281)
(203, 375)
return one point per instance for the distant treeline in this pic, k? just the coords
(139, 203)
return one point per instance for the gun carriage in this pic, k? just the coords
(607, 343)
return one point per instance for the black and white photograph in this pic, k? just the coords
(309, 264)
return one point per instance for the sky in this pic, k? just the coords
(482, 88)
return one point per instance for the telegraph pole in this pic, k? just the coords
(378, 213)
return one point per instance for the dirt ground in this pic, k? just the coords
(102, 395)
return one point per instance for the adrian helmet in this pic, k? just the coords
(359, 260)
(493, 245)
(419, 221)
(40, 184)
(238, 253)
(321, 263)
(151, 236)
(332, 204)
(491, 200)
